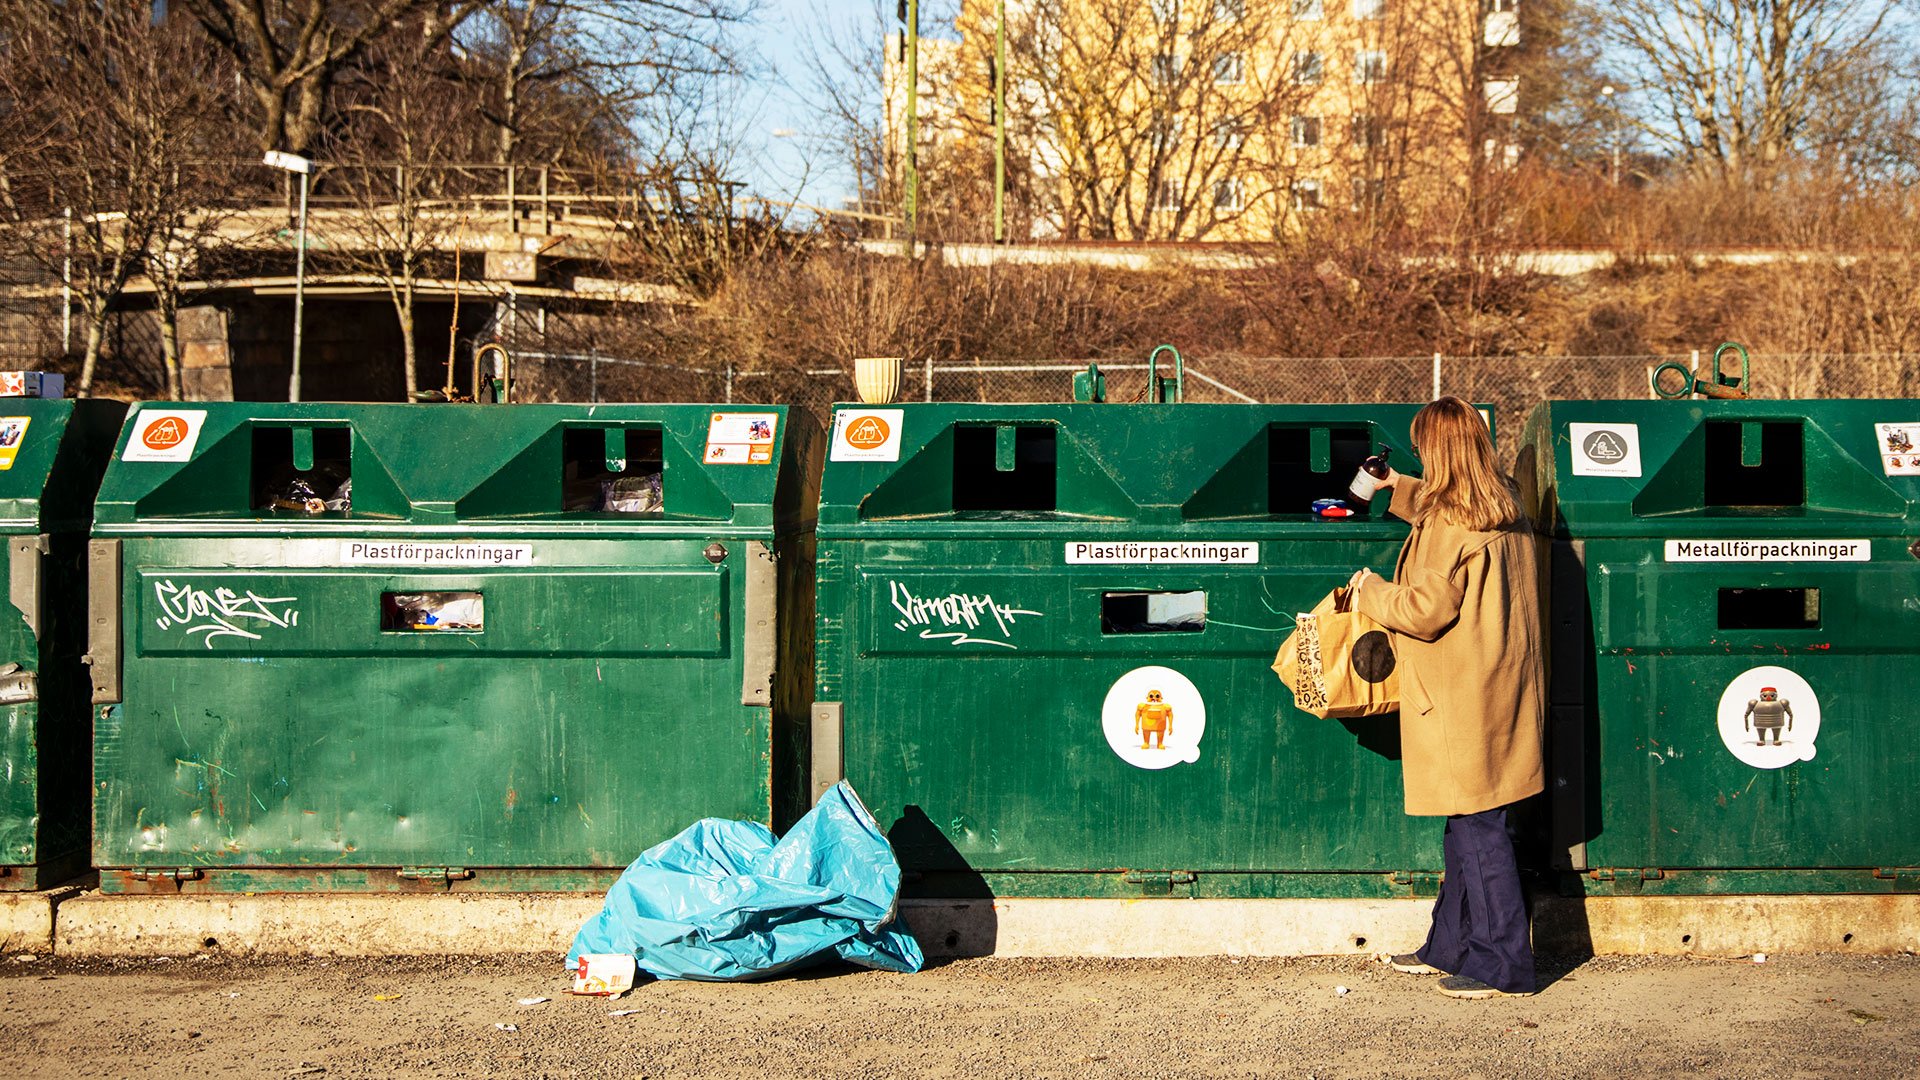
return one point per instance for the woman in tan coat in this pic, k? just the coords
(1463, 606)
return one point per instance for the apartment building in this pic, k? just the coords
(1224, 120)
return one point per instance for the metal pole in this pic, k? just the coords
(513, 202)
(1436, 376)
(1000, 124)
(913, 123)
(729, 382)
(66, 282)
(299, 294)
(929, 378)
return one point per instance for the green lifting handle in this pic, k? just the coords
(1720, 387)
(1156, 388)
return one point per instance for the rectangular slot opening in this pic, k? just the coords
(1153, 612)
(1769, 609)
(1308, 463)
(981, 480)
(1755, 463)
(592, 484)
(432, 613)
(302, 471)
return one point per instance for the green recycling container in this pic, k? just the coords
(487, 647)
(1044, 640)
(1734, 642)
(52, 452)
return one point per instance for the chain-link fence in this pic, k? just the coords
(1513, 385)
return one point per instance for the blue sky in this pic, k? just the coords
(780, 165)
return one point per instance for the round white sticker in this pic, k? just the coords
(1154, 718)
(1769, 717)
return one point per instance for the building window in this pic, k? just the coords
(1363, 131)
(1228, 195)
(1229, 11)
(1503, 96)
(1229, 68)
(1308, 68)
(1228, 133)
(1166, 195)
(1369, 66)
(1166, 68)
(1306, 194)
(1503, 30)
(1368, 194)
(1306, 131)
(1309, 9)
(1369, 9)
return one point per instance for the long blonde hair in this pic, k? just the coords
(1462, 485)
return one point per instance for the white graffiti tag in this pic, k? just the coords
(969, 611)
(222, 612)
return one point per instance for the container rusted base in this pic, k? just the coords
(381, 879)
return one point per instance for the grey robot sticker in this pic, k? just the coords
(1769, 713)
(1769, 717)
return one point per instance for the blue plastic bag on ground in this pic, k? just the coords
(723, 900)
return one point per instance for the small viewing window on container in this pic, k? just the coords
(302, 471)
(433, 613)
(1153, 612)
(590, 481)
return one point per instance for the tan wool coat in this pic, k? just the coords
(1464, 608)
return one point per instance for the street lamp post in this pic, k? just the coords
(910, 15)
(294, 163)
(1613, 135)
(1000, 123)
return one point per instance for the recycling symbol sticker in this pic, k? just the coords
(1605, 449)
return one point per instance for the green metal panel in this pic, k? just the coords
(273, 729)
(1663, 784)
(46, 492)
(971, 649)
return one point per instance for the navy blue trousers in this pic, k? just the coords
(1480, 920)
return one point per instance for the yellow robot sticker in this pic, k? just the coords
(1769, 717)
(1153, 718)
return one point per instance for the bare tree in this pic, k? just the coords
(562, 76)
(844, 75)
(288, 52)
(1734, 87)
(392, 155)
(104, 110)
(1147, 117)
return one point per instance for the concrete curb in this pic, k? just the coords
(338, 924)
(322, 924)
(26, 919)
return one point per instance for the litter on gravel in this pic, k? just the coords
(508, 1027)
(534, 1000)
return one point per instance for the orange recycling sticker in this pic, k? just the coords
(867, 433)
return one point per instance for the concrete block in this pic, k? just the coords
(27, 920)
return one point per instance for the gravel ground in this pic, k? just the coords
(1214, 1017)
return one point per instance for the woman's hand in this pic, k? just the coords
(1359, 576)
(1393, 477)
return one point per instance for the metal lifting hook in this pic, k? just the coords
(503, 386)
(1157, 388)
(1722, 386)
